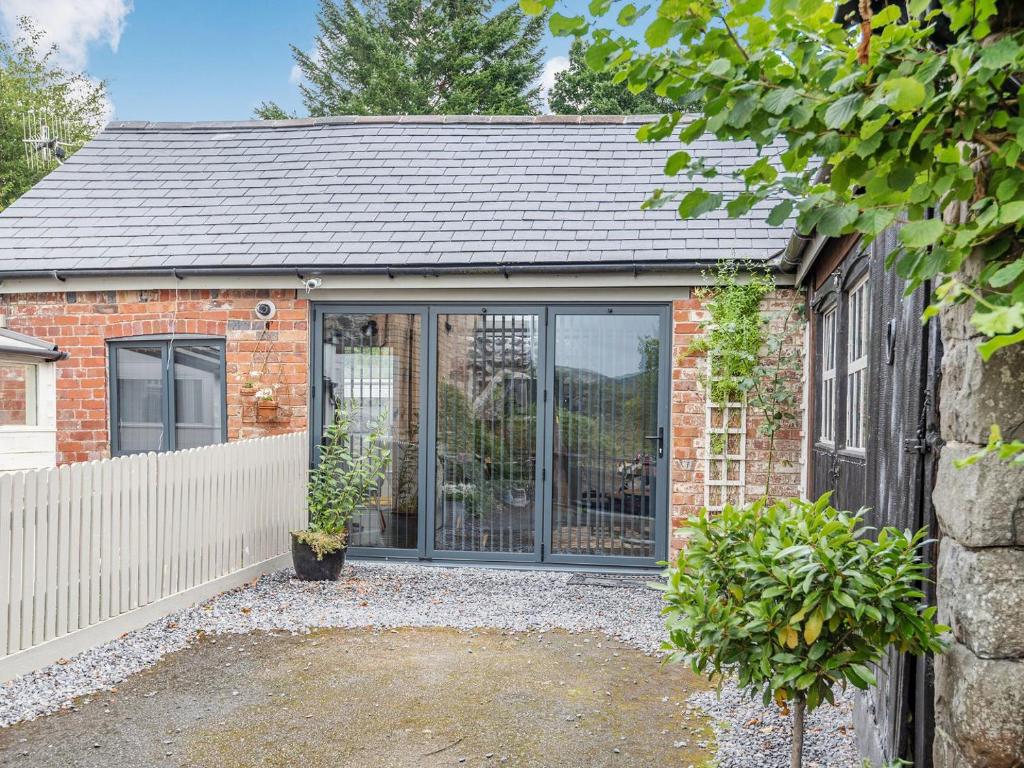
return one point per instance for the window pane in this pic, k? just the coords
(17, 395)
(198, 396)
(827, 394)
(372, 366)
(140, 422)
(486, 433)
(856, 366)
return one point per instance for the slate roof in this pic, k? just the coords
(370, 194)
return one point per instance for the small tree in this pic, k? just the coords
(342, 482)
(795, 599)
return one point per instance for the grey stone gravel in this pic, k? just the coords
(398, 595)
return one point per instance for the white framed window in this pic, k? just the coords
(18, 394)
(856, 363)
(28, 401)
(827, 430)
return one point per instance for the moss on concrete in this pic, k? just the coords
(390, 699)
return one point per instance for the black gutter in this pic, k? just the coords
(793, 253)
(49, 355)
(302, 272)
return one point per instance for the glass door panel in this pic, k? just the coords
(371, 365)
(485, 452)
(607, 439)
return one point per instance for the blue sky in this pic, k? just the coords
(191, 59)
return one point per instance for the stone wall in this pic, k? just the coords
(81, 323)
(979, 687)
(689, 440)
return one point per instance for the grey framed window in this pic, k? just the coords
(166, 394)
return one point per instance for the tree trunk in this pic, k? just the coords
(797, 757)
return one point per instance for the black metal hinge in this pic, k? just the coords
(916, 445)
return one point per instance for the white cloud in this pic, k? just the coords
(295, 76)
(73, 25)
(552, 67)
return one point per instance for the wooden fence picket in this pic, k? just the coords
(91, 550)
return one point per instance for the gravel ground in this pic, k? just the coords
(392, 595)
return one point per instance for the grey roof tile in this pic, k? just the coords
(441, 191)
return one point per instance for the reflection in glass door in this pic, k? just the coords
(371, 365)
(607, 439)
(485, 457)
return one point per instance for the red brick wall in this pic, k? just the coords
(688, 438)
(82, 322)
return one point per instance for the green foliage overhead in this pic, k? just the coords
(30, 80)
(796, 598)
(416, 57)
(579, 90)
(343, 481)
(863, 123)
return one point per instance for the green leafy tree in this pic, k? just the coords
(580, 90)
(31, 83)
(417, 57)
(795, 599)
(909, 115)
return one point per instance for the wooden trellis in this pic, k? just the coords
(725, 450)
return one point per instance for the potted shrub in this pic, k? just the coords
(795, 598)
(340, 484)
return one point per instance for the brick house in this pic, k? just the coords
(488, 287)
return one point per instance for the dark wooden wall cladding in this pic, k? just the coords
(893, 474)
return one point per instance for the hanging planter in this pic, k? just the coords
(247, 391)
(266, 405)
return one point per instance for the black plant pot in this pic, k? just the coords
(308, 568)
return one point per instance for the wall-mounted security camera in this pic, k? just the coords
(312, 283)
(265, 309)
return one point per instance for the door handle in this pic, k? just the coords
(890, 342)
(660, 437)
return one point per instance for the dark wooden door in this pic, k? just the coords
(890, 469)
(895, 719)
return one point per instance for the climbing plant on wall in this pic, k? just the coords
(748, 359)
(863, 116)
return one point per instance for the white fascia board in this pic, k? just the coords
(551, 283)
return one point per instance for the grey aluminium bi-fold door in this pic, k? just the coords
(607, 374)
(531, 433)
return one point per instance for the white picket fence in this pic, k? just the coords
(91, 550)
